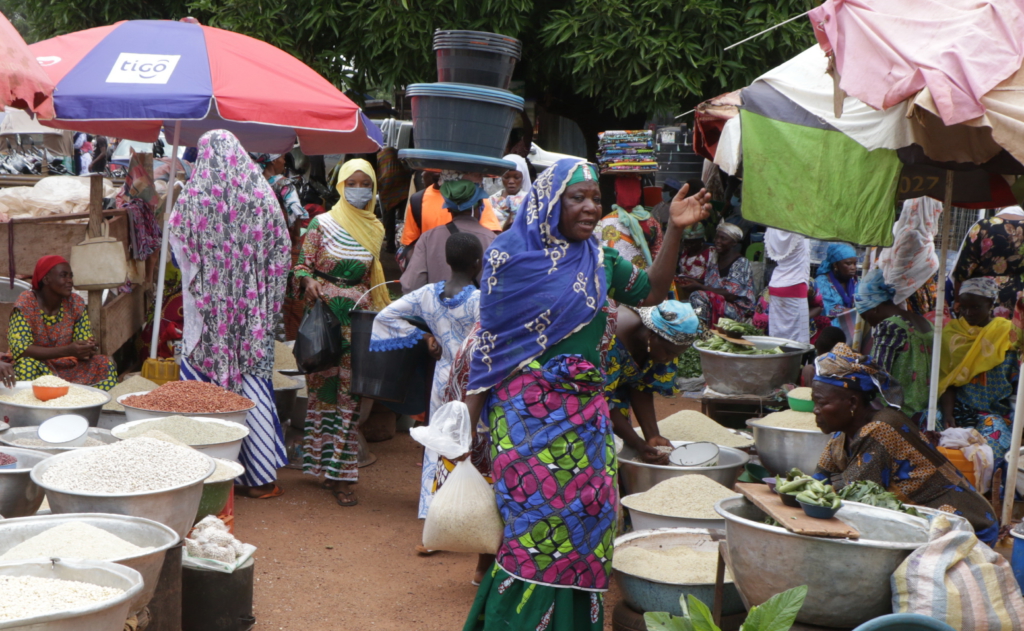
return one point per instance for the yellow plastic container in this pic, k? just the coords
(160, 371)
(956, 456)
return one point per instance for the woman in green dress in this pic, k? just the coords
(902, 343)
(338, 264)
(535, 377)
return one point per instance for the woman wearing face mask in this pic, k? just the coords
(515, 185)
(338, 264)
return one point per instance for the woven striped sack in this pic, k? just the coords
(958, 579)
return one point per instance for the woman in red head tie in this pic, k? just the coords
(50, 332)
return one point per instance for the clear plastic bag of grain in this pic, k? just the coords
(463, 516)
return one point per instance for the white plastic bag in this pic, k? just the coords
(449, 433)
(463, 516)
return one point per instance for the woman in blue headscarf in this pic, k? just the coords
(643, 360)
(836, 281)
(535, 376)
(902, 340)
(882, 445)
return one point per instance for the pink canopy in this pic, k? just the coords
(886, 51)
(23, 82)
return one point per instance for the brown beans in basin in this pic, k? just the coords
(190, 397)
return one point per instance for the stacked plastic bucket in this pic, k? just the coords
(463, 121)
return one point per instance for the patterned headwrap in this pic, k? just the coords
(672, 320)
(460, 195)
(264, 159)
(836, 252)
(873, 291)
(231, 241)
(984, 286)
(538, 287)
(847, 369)
(732, 231)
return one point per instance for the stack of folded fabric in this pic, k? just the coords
(619, 151)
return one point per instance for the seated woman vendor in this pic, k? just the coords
(643, 360)
(978, 371)
(884, 445)
(50, 333)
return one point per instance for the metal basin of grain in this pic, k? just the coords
(638, 477)
(755, 375)
(644, 594)
(144, 533)
(20, 415)
(228, 450)
(13, 435)
(20, 496)
(133, 413)
(107, 615)
(174, 507)
(847, 580)
(782, 449)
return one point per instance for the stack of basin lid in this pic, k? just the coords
(463, 121)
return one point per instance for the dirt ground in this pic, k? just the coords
(321, 566)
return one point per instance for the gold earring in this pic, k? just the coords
(852, 413)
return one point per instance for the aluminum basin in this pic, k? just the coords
(15, 433)
(20, 496)
(139, 414)
(174, 507)
(644, 594)
(638, 477)
(847, 581)
(144, 533)
(754, 375)
(783, 449)
(32, 415)
(108, 615)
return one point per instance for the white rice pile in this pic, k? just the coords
(51, 381)
(681, 564)
(789, 419)
(36, 442)
(690, 496)
(131, 385)
(189, 431)
(74, 540)
(692, 426)
(129, 466)
(804, 394)
(76, 397)
(224, 471)
(29, 596)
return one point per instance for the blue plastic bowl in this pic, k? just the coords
(819, 512)
(789, 499)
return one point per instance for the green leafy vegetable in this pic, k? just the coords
(778, 613)
(871, 493)
(689, 364)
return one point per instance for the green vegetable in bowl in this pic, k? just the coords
(733, 328)
(722, 345)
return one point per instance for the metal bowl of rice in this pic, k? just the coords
(19, 414)
(26, 438)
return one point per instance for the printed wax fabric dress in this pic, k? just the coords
(538, 360)
(331, 444)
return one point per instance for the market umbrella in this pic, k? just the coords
(951, 61)
(134, 78)
(23, 84)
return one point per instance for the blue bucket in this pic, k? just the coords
(1017, 558)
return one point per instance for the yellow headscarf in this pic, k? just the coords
(364, 227)
(968, 351)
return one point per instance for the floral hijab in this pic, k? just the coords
(232, 244)
(538, 287)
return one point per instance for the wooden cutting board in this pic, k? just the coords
(794, 519)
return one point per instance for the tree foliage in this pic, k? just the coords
(594, 61)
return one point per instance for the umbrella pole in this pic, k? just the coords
(940, 304)
(157, 317)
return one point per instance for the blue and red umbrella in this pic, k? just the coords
(131, 79)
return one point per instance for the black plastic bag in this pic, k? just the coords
(319, 344)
